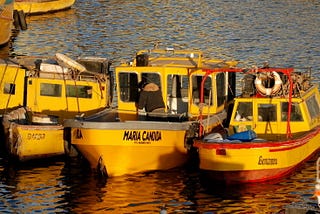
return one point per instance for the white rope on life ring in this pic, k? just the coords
(70, 63)
(269, 91)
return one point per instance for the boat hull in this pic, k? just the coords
(247, 162)
(26, 142)
(32, 136)
(6, 22)
(38, 7)
(123, 151)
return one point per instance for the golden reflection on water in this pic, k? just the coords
(31, 188)
(70, 186)
(134, 193)
(266, 197)
(183, 192)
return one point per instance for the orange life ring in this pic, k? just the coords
(269, 91)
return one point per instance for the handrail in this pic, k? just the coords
(286, 71)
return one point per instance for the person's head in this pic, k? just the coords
(142, 84)
(151, 87)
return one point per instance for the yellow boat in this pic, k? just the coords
(42, 6)
(274, 128)
(32, 136)
(64, 90)
(123, 140)
(56, 86)
(6, 21)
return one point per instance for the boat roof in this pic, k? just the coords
(169, 57)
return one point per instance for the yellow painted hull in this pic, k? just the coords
(26, 142)
(256, 161)
(44, 6)
(6, 22)
(116, 147)
(130, 151)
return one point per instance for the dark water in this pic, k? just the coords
(284, 33)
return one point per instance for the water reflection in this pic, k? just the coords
(35, 187)
(131, 194)
(263, 197)
(72, 187)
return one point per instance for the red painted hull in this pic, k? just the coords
(251, 176)
(229, 162)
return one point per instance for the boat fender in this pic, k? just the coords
(16, 22)
(70, 63)
(269, 91)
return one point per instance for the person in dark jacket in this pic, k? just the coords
(151, 98)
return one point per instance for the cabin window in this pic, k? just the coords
(244, 112)
(313, 106)
(128, 83)
(221, 88)
(9, 88)
(151, 77)
(79, 91)
(295, 114)
(196, 89)
(52, 90)
(267, 112)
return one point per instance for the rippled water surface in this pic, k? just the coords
(284, 33)
(69, 186)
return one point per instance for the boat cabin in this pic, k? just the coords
(278, 115)
(179, 75)
(45, 86)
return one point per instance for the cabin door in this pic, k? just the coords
(177, 93)
(266, 122)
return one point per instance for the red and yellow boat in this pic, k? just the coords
(274, 128)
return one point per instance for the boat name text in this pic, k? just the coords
(36, 136)
(142, 137)
(267, 161)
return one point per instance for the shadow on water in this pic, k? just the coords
(4, 51)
